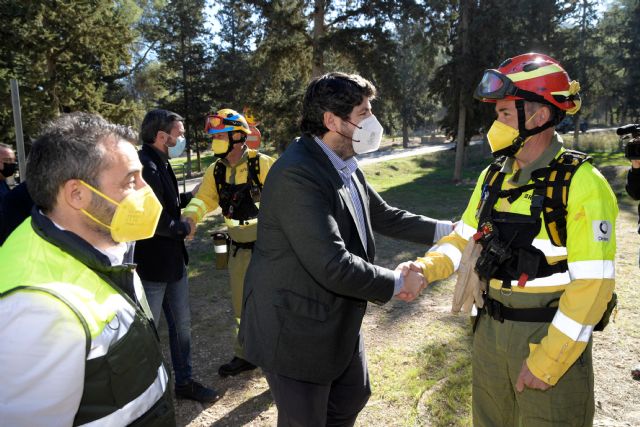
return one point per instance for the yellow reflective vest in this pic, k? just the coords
(125, 379)
(584, 289)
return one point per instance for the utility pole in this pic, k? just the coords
(17, 121)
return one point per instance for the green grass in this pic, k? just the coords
(423, 184)
(594, 142)
(179, 164)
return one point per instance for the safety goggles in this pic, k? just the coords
(495, 85)
(216, 124)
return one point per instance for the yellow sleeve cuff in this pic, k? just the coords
(436, 266)
(551, 370)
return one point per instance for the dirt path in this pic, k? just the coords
(397, 336)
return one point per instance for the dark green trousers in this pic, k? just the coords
(498, 352)
(238, 264)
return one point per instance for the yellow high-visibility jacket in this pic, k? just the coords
(585, 288)
(207, 199)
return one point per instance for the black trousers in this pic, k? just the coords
(304, 404)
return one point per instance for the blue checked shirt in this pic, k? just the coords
(346, 169)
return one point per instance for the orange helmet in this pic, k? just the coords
(531, 77)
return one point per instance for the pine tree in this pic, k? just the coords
(182, 39)
(511, 25)
(63, 54)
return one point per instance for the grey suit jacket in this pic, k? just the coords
(309, 280)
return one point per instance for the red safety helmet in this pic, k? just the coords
(531, 77)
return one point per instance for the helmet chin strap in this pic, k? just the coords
(522, 120)
(231, 144)
(523, 132)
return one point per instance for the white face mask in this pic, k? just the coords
(367, 135)
(177, 149)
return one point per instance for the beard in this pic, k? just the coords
(103, 211)
(345, 150)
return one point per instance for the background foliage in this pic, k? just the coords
(121, 58)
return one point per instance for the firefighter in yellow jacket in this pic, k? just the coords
(544, 217)
(233, 182)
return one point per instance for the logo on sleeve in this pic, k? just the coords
(601, 230)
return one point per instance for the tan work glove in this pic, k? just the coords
(469, 287)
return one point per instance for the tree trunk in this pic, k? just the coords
(462, 111)
(405, 132)
(318, 33)
(576, 131)
(185, 100)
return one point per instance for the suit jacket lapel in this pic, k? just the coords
(360, 185)
(342, 190)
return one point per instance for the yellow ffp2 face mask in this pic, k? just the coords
(501, 136)
(136, 216)
(220, 146)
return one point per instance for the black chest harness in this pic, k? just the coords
(508, 253)
(238, 201)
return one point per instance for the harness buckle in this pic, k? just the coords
(505, 292)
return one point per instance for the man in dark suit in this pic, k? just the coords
(162, 260)
(312, 271)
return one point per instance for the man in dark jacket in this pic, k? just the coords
(162, 260)
(8, 167)
(633, 189)
(15, 207)
(312, 271)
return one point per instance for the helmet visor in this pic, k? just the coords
(494, 85)
(213, 124)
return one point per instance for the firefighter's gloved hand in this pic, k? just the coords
(469, 287)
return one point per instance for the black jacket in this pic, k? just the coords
(15, 207)
(162, 257)
(633, 183)
(309, 280)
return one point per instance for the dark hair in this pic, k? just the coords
(70, 147)
(155, 121)
(338, 93)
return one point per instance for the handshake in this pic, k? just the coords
(413, 280)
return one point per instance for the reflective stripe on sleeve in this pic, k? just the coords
(464, 230)
(599, 269)
(574, 330)
(197, 208)
(450, 251)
